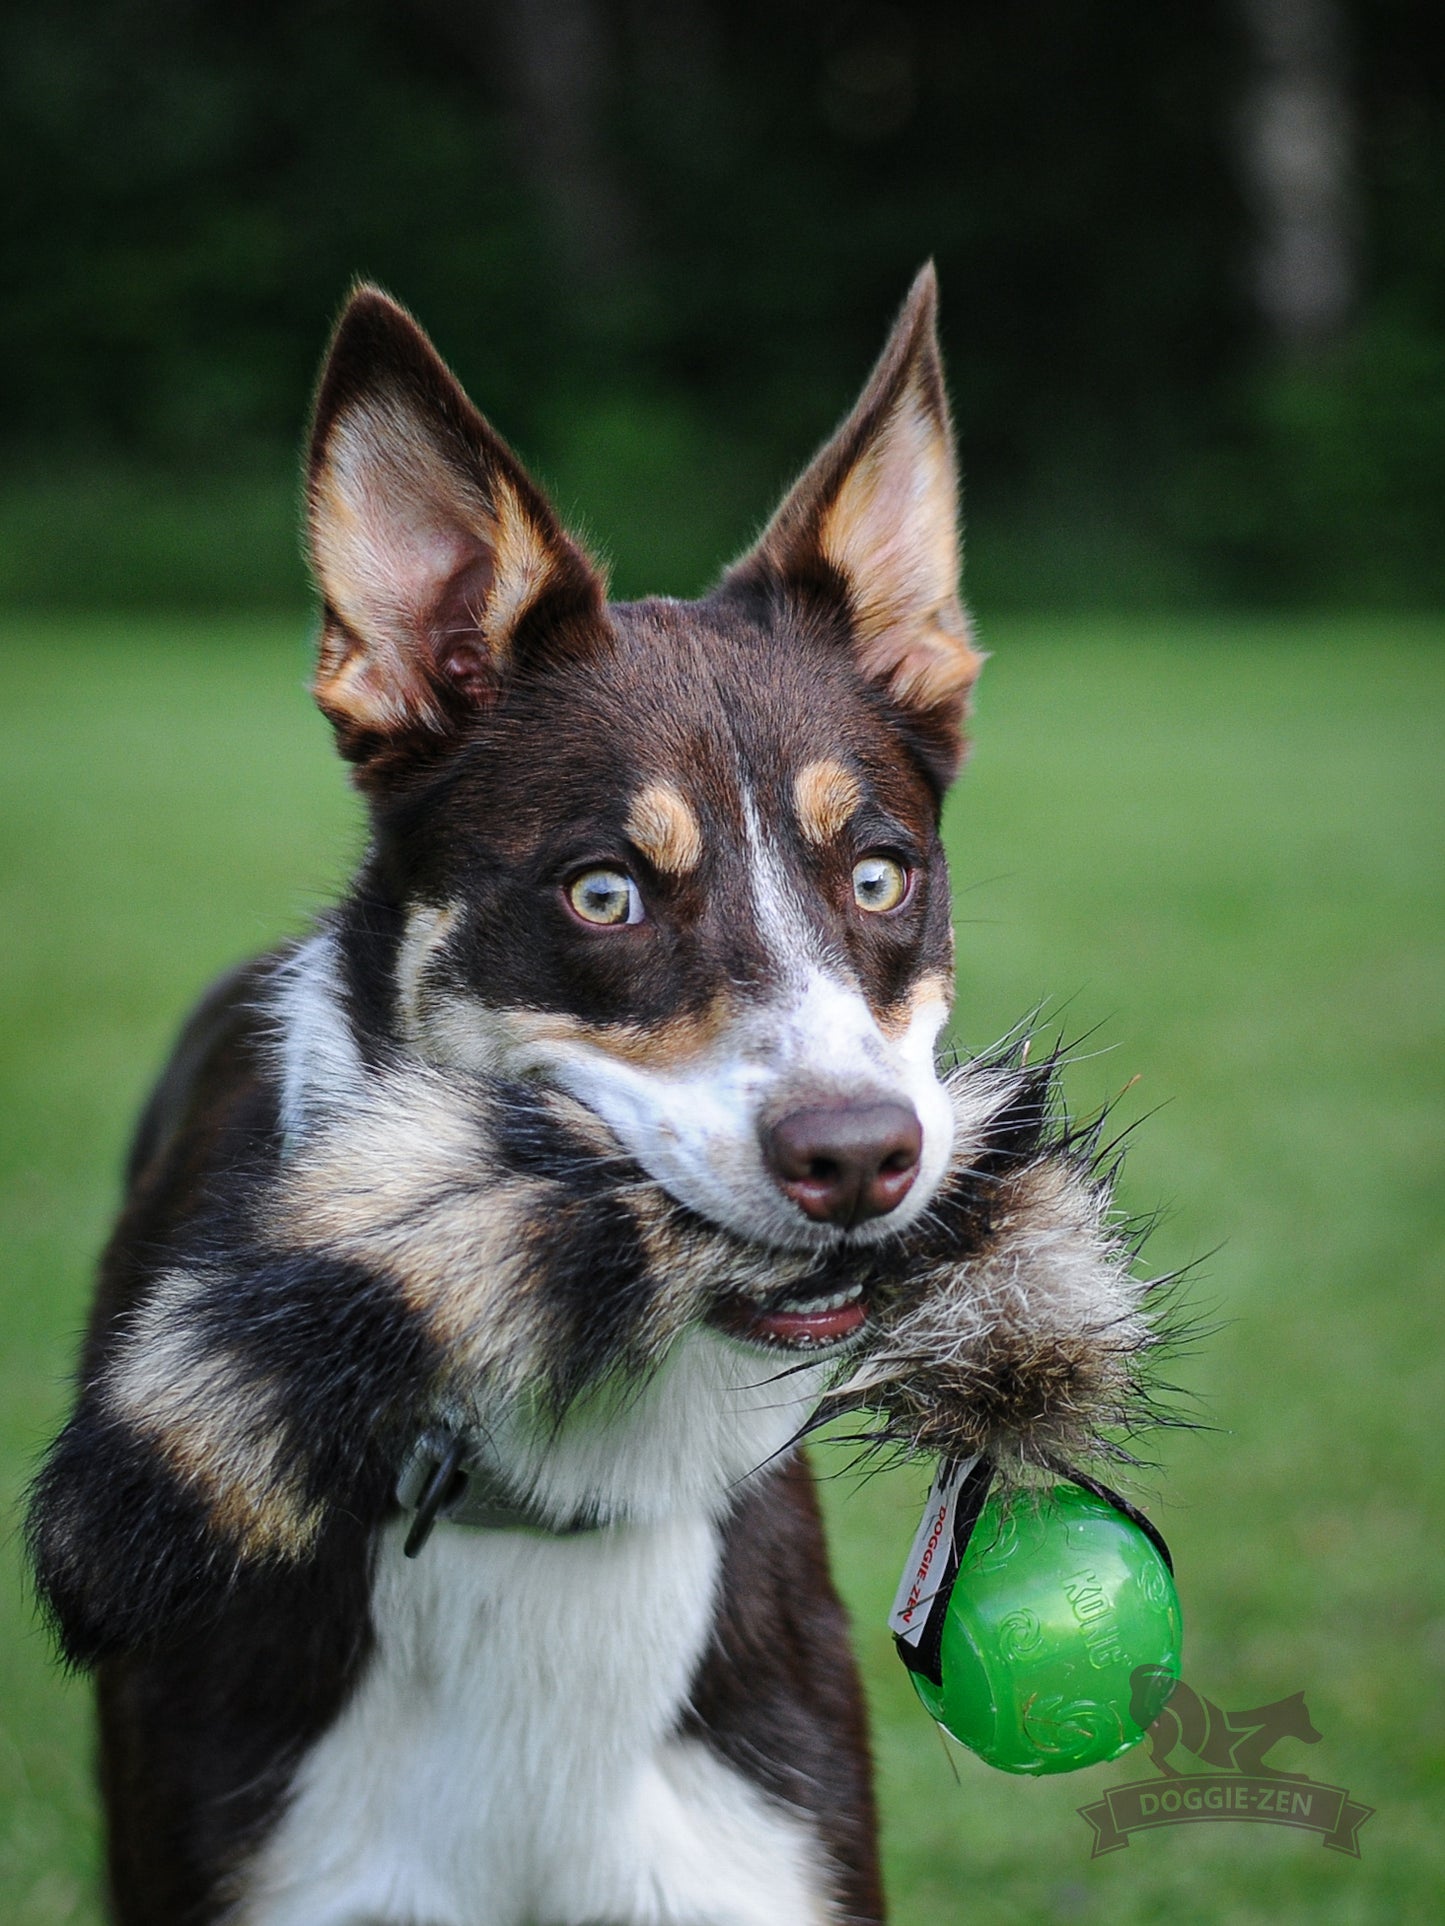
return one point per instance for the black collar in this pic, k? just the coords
(442, 1479)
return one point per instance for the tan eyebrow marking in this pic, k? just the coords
(825, 795)
(662, 825)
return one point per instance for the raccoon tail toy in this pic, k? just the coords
(1009, 1323)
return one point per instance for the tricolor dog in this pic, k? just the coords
(431, 1508)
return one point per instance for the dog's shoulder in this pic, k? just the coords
(216, 1060)
(214, 1110)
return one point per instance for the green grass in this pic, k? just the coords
(1220, 846)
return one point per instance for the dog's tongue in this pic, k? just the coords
(824, 1327)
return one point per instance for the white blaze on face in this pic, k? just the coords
(697, 1128)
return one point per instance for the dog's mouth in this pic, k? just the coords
(794, 1318)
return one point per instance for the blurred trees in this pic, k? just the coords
(660, 240)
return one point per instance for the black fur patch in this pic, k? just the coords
(202, 1726)
(594, 1271)
(346, 1358)
(121, 1551)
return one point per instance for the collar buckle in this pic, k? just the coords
(442, 1479)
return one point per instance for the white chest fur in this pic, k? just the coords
(511, 1757)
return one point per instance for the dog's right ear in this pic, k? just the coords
(872, 525)
(432, 547)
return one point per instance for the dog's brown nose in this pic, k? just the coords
(843, 1163)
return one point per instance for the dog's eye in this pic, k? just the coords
(879, 883)
(605, 896)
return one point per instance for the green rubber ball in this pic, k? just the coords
(1058, 1599)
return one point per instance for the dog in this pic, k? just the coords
(432, 1508)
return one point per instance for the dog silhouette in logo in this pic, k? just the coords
(1174, 1715)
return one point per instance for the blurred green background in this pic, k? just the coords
(1194, 306)
(1215, 842)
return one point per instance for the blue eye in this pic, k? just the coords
(605, 897)
(879, 884)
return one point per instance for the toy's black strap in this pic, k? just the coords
(957, 1498)
(1132, 1512)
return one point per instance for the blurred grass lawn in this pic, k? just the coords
(1221, 843)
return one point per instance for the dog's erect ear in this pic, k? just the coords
(875, 518)
(430, 544)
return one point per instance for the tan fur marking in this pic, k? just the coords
(825, 796)
(459, 1030)
(663, 1045)
(522, 562)
(892, 531)
(935, 988)
(661, 823)
(927, 668)
(211, 1420)
(427, 929)
(453, 1028)
(404, 1185)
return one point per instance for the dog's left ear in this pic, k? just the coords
(873, 521)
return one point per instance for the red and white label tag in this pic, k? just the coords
(928, 1556)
